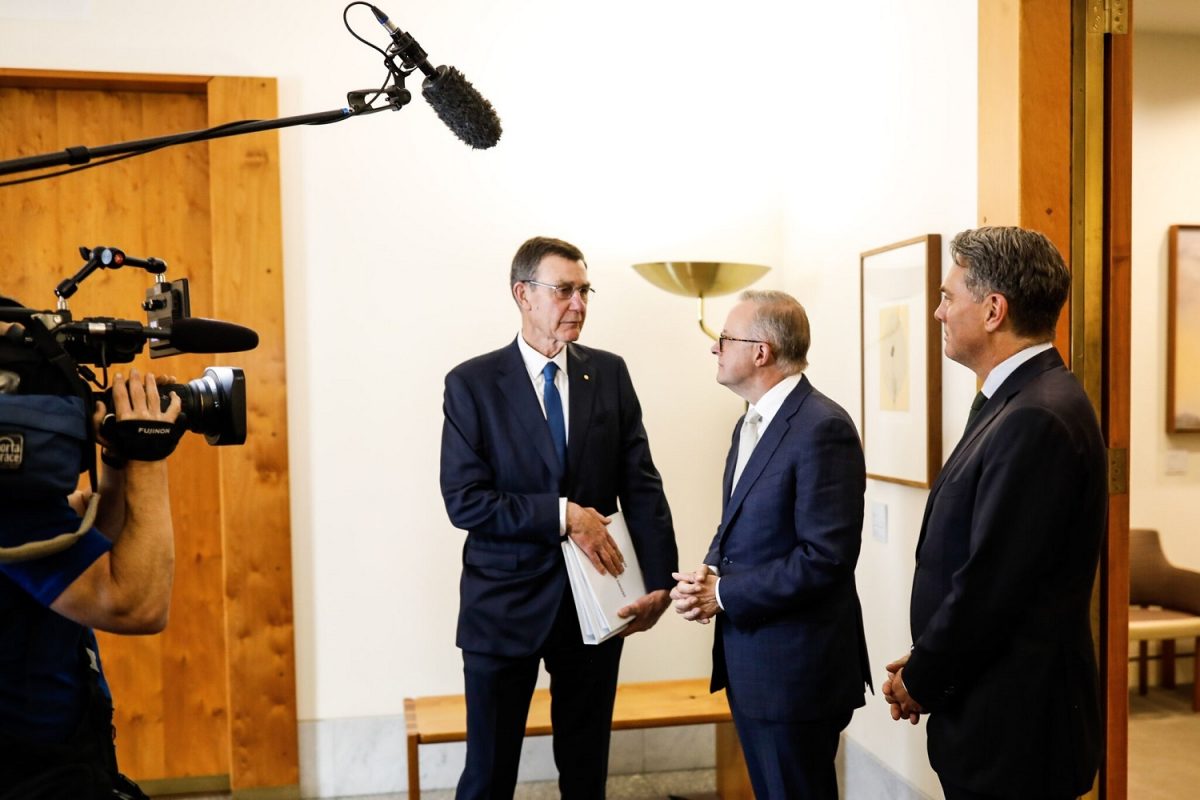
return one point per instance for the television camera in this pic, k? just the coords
(51, 352)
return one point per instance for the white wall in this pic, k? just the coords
(770, 132)
(1166, 172)
(892, 155)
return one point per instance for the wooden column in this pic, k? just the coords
(248, 287)
(1114, 565)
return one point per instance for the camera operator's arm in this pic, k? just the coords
(128, 590)
(110, 515)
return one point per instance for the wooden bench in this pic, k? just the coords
(656, 704)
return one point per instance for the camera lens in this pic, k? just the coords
(213, 404)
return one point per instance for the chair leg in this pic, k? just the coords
(1196, 676)
(1143, 665)
(1167, 675)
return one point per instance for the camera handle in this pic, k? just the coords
(101, 257)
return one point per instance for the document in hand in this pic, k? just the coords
(599, 597)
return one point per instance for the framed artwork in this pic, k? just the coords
(1183, 329)
(901, 361)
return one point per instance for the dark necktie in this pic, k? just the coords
(554, 412)
(976, 407)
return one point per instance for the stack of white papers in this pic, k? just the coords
(598, 597)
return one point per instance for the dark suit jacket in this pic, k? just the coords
(501, 482)
(790, 641)
(1003, 654)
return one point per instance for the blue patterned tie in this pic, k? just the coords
(554, 412)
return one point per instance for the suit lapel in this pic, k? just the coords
(730, 465)
(766, 447)
(512, 380)
(583, 396)
(1012, 386)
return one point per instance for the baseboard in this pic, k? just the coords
(862, 776)
(363, 756)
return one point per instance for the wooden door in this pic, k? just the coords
(188, 700)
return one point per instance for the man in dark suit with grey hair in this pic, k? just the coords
(541, 440)
(1002, 658)
(779, 576)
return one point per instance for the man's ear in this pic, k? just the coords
(519, 290)
(996, 311)
(763, 354)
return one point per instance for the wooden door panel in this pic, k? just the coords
(170, 690)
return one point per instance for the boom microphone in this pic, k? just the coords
(456, 102)
(199, 335)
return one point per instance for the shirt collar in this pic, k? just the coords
(535, 362)
(772, 400)
(1008, 366)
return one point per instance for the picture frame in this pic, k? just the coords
(902, 361)
(1183, 329)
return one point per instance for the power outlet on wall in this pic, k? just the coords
(879, 522)
(1177, 462)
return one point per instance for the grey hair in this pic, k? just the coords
(781, 321)
(531, 253)
(1022, 265)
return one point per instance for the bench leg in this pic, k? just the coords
(414, 756)
(414, 770)
(1143, 666)
(1167, 675)
(733, 779)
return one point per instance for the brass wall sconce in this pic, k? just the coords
(701, 279)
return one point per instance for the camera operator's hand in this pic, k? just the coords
(138, 401)
(136, 408)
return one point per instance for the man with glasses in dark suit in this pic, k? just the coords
(779, 576)
(542, 440)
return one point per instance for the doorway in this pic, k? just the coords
(210, 703)
(1164, 731)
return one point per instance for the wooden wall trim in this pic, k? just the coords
(1118, 315)
(116, 81)
(1025, 123)
(999, 108)
(1045, 135)
(247, 254)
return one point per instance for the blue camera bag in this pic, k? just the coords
(43, 441)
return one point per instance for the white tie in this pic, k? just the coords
(747, 438)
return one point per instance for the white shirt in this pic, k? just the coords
(772, 400)
(1008, 366)
(535, 362)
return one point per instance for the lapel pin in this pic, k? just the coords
(587, 377)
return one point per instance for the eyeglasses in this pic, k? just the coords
(722, 339)
(564, 291)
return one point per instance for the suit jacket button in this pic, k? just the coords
(726, 561)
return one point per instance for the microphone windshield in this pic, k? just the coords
(199, 335)
(462, 108)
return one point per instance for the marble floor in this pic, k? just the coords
(1164, 740)
(691, 784)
